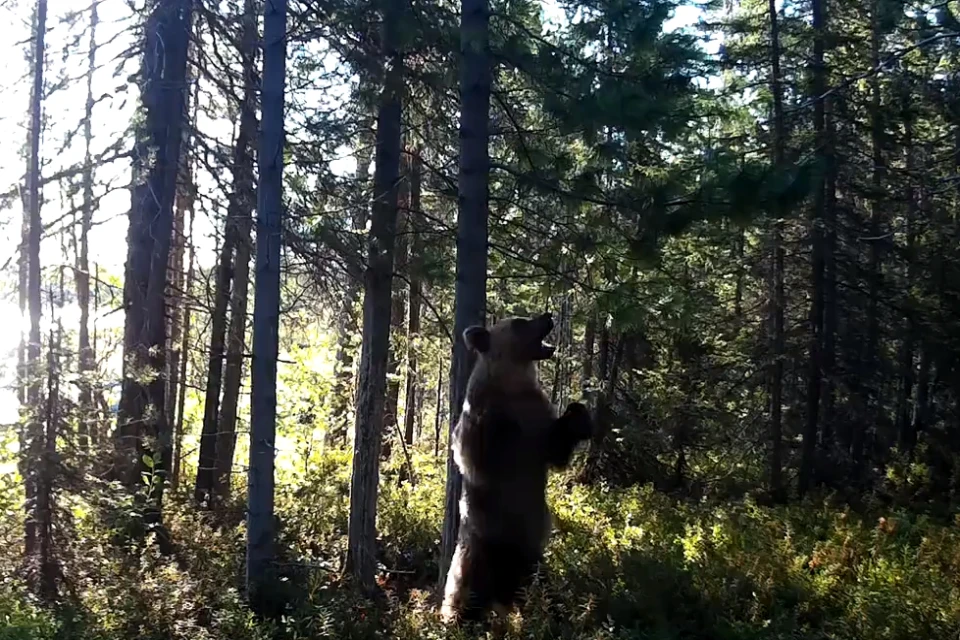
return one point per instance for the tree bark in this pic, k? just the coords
(88, 421)
(869, 376)
(31, 443)
(589, 347)
(347, 317)
(143, 435)
(184, 359)
(921, 409)
(361, 559)
(266, 309)
(472, 185)
(37, 523)
(739, 245)
(178, 290)
(808, 464)
(243, 202)
(777, 301)
(906, 436)
(415, 224)
(610, 368)
(398, 308)
(436, 415)
(49, 571)
(828, 400)
(218, 332)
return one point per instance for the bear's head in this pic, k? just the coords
(513, 340)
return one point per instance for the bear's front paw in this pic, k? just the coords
(577, 416)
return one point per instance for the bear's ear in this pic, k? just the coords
(477, 338)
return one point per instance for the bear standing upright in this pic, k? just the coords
(507, 437)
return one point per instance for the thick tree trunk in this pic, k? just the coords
(143, 436)
(808, 461)
(415, 225)
(243, 203)
(472, 184)
(266, 309)
(362, 534)
(88, 421)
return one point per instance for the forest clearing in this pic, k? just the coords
(325, 318)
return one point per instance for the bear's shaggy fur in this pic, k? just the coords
(507, 437)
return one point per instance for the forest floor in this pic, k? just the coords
(626, 563)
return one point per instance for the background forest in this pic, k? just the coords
(241, 240)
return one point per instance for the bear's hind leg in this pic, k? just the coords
(514, 568)
(468, 594)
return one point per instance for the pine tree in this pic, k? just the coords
(471, 292)
(361, 558)
(143, 434)
(266, 310)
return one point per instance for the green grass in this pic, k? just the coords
(622, 564)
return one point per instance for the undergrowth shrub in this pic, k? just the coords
(622, 563)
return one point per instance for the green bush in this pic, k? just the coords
(622, 563)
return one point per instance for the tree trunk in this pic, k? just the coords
(243, 202)
(906, 436)
(347, 317)
(88, 413)
(870, 376)
(589, 347)
(921, 409)
(37, 527)
(777, 254)
(610, 368)
(560, 331)
(828, 358)
(176, 295)
(739, 245)
(266, 309)
(472, 184)
(143, 435)
(415, 225)
(437, 414)
(808, 464)
(31, 442)
(49, 570)
(218, 332)
(184, 359)
(362, 535)
(391, 406)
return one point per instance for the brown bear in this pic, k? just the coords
(507, 437)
